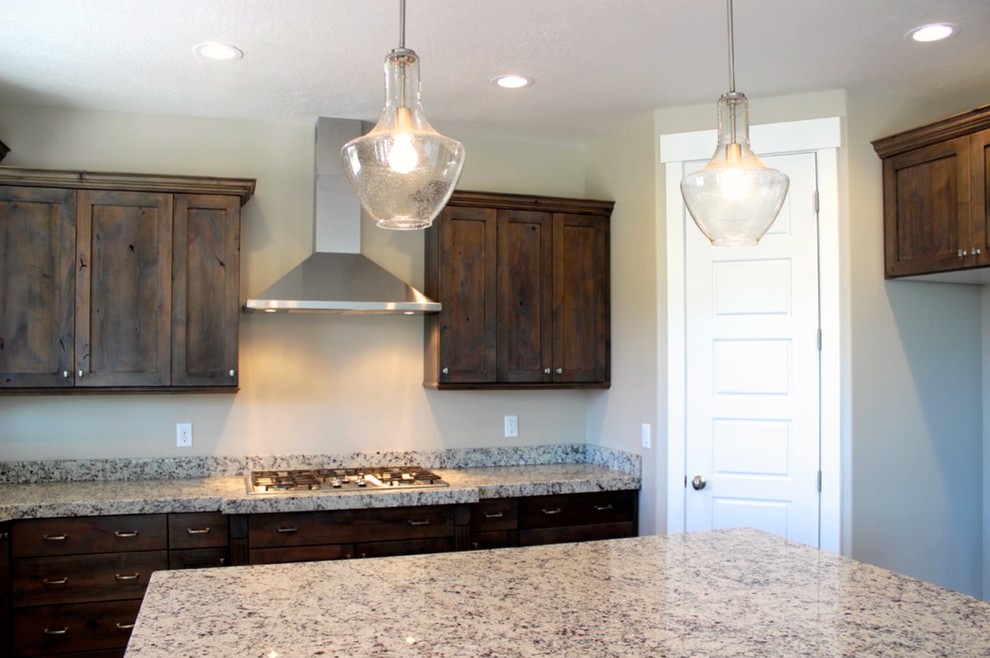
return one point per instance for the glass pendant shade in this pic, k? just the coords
(403, 171)
(735, 197)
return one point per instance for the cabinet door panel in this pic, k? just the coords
(206, 257)
(580, 299)
(979, 187)
(47, 630)
(467, 286)
(37, 251)
(123, 286)
(524, 296)
(926, 209)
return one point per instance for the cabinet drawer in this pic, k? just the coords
(79, 578)
(407, 547)
(198, 558)
(197, 530)
(77, 627)
(494, 514)
(282, 555)
(95, 534)
(561, 534)
(494, 539)
(577, 509)
(349, 526)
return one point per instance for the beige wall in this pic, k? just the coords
(622, 167)
(308, 383)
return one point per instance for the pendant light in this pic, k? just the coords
(735, 197)
(403, 171)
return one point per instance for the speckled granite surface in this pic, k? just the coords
(725, 593)
(229, 494)
(66, 470)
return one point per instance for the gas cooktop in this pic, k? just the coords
(384, 478)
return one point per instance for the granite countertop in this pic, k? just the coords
(722, 593)
(229, 494)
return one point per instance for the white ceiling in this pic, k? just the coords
(596, 62)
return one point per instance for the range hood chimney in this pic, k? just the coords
(337, 278)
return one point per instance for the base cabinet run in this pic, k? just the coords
(76, 584)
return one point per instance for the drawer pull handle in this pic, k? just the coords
(54, 537)
(198, 531)
(64, 580)
(287, 531)
(56, 631)
(423, 522)
(603, 508)
(124, 627)
(125, 534)
(555, 510)
(126, 577)
(494, 515)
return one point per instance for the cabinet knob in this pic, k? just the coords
(445, 371)
(976, 251)
(546, 371)
(962, 253)
(232, 372)
(80, 374)
(65, 374)
(560, 371)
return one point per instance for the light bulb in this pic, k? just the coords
(402, 156)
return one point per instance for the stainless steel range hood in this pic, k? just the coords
(338, 278)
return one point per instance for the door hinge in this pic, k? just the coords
(819, 481)
(819, 340)
(816, 201)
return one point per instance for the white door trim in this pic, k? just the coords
(824, 137)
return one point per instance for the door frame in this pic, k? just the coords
(823, 137)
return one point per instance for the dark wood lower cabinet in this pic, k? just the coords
(56, 629)
(72, 587)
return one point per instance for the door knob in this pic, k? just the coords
(698, 483)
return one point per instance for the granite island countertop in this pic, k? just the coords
(723, 593)
(229, 494)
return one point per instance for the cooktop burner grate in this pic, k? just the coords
(342, 479)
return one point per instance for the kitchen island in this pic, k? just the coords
(723, 593)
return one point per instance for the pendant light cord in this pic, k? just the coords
(402, 23)
(732, 63)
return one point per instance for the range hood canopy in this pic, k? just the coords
(338, 278)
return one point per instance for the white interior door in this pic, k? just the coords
(752, 371)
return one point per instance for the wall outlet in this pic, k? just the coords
(183, 435)
(511, 427)
(646, 435)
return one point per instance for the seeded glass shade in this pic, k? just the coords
(403, 171)
(735, 197)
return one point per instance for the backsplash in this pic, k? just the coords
(169, 468)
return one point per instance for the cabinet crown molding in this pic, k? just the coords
(243, 188)
(964, 123)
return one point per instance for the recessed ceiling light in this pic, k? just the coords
(933, 32)
(513, 81)
(218, 51)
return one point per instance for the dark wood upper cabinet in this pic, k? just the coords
(37, 286)
(205, 290)
(935, 196)
(118, 282)
(524, 284)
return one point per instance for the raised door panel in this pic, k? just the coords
(205, 290)
(37, 251)
(467, 287)
(979, 188)
(926, 209)
(123, 289)
(580, 299)
(525, 240)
